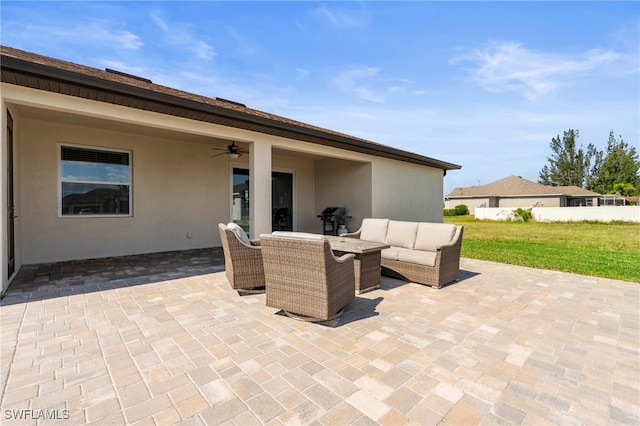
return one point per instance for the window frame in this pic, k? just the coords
(129, 153)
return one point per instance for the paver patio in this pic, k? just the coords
(163, 339)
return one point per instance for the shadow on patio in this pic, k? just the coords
(47, 280)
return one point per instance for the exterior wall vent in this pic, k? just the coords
(124, 74)
(231, 102)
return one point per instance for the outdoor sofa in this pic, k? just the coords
(421, 252)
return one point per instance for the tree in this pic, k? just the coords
(624, 189)
(617, 169)
(567, 165)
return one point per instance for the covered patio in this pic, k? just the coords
(100, 163)
(163, 339)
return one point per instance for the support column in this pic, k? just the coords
(260, 188)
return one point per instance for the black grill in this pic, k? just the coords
(332, 218)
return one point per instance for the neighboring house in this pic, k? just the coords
(98, 163)
(514, 191)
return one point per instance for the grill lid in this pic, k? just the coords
(333, 211)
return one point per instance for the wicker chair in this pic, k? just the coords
(242, 260)
(305, 279)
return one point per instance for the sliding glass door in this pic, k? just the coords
(240, 198)
(281, 199)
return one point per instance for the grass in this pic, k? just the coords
(610, 250)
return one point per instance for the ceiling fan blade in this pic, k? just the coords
(233, 150)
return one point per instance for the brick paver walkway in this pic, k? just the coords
(164, 339)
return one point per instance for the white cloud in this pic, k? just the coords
(159, 22)
(181, 35)
(340, 17)
(353, 82)
(96, 32)
(243, 45)
(366, 83)
(504, 67)
(302, 73)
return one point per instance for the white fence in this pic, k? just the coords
(565, 214)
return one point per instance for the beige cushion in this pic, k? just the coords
(304, 235)
(390, 253)
(236, 229)
(431, 235)
(374, 230)
(419, 257)
(401, 234)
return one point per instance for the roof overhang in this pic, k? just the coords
(39, 76)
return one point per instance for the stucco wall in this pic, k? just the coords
(566, 214)
(529, 201)
(471, 203)
(601, 213)
(405, 191)
(176, 187)
(343, 183)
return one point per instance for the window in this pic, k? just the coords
(94, 182)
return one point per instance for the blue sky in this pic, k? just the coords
(482, 84)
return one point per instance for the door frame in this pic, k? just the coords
(10, 207)
(274, 169)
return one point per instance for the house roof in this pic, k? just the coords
(44, 73)
(516, 186)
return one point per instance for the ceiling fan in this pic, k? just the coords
(233, 151)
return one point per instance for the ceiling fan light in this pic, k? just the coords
(234, 155)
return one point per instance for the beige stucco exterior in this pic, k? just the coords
(179, 192)
(532, 201)
(471, 203)
(406, 191)
(342, 183)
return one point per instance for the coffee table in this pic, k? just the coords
(366, 262)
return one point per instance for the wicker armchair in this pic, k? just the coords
(242, 260)
(304, 278)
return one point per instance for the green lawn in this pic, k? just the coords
(598, 249)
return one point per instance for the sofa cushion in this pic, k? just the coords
(374, 230)
(419, 257)
(431, 235)
(401, 234)
(304, 235)
(236, 229)
(390, 253)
